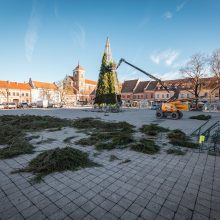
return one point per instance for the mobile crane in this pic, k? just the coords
(173, 107)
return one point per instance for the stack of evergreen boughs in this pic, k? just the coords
(106, 92)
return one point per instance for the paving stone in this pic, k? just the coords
(166, 213)
(117, 211)
(107, 205)
(37, 215)
(128, 215)
(62, 202)
(98, 199)
(29, 211)
(49, 210)
(98, 212)
(147, 214)
(9, 213)
(202, 210)
(125, 203)
(154, 207)
(171, 205)
(108, 216)
(198, 216)
(43, 203)
(69, 208)
(135, 209)
(78, 214)
(88, 206)
(80, 200)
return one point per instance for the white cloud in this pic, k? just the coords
(169, 75)
(31, 35)
(166, 57)
(168, 15)
(180, 6)
(79, 35)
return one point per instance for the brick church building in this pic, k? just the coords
(77, 88)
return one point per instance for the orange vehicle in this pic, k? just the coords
(173, 107)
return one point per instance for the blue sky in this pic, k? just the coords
(45, 39)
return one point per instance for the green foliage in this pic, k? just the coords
(17, 148)
(175, 151)
(125, 161)
(153, 129)
(33, 122)
(68, 139)
(201, 117)
(105, 146)
(57, 160)
(107, 83)
(14, 127)
(105, 135)
(87, 141)
(146, 146)
(179, 138)
(113, 157)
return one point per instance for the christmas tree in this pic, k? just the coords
(107, 88)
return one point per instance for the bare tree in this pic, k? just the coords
(65, 89)
(215, 69)
(194, 71)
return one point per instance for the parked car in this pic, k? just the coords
(155, 107)
(10, 105)
(23, 105)
(2, 106)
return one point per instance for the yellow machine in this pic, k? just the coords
(173, 107)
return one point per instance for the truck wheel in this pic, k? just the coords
(159, 114)
(180, 115)
(175, 115)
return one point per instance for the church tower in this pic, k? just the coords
(79, 78)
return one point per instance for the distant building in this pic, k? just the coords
(134, 91)
(77, 88)
(14, 92)
(44, 91)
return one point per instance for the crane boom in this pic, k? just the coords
(148, 74)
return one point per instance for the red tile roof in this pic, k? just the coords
(88, 81)
(44, 85)
(129, 85)
(141, 86)
(14, 85)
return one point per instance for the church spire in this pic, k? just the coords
(108, 51)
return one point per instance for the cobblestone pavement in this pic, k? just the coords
(148, 187)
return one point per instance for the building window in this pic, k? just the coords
(158, 96)
(167, 95)
(13, 93)
(9, 93)
(26, 94)
(17, 93)
(188, 95)
(162, 96)
(182, 95)
(134, 96)
(22, 94)
(206, 94)
(128, 96)
(152, 95)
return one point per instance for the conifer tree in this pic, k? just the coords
(106, 92)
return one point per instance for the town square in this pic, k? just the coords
(109, 110)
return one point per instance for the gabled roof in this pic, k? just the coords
(43, 85)
(129, 85)
(152, 85)
(92, 82)
(14, 85)
(141, 86)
